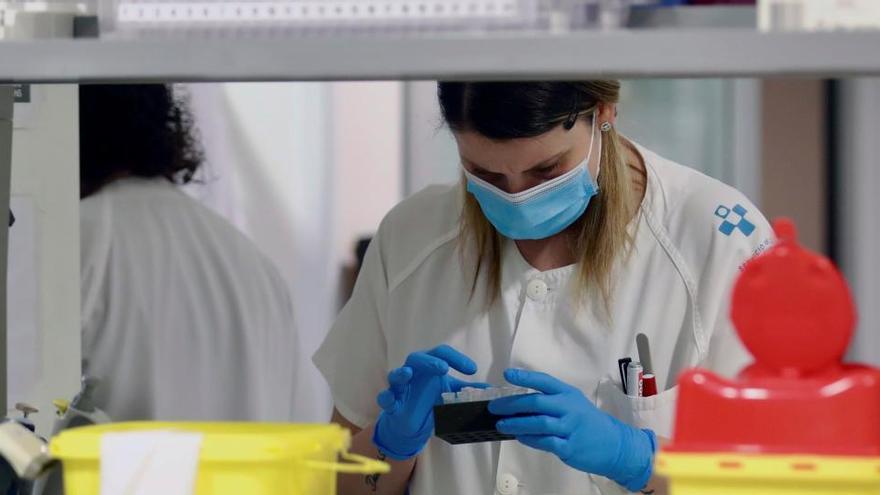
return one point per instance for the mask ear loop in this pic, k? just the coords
(604, 127)
(589, 153)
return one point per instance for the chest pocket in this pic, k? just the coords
(656, 413)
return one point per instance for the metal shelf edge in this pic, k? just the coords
(615, 54)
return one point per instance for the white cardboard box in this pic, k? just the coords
(818, 15)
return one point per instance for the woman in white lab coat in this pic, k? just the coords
(182, 317)
(563, 241)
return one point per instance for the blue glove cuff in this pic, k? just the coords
(642, 449)
(402, 449)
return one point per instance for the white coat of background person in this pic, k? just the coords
(182, 317)
(563, 241)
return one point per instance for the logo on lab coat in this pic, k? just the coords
(734, 219)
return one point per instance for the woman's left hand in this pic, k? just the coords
(560, 420)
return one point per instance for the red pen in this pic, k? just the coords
(649, 381)
(649, 385)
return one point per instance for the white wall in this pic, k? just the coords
(367, 168)
(45, 174)
(431, 155)
(303, 169)
(859, 234)
(267, 153)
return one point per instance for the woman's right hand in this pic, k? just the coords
(407, 419)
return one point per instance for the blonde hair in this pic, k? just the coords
(602, 232)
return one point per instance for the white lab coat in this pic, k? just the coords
(414, 293)
(182, 317)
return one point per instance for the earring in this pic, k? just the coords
(605, 126)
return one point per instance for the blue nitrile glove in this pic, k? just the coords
(560, 420)
(407, 419)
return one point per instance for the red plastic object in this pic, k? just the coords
(649, 386)
(793, 311)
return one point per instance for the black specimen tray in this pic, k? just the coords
(467, 422)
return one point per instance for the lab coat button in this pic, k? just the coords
(536, 289)
(508, 484)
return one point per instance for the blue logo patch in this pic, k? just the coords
(734, 218)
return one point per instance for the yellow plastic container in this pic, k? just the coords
(235, 458)
(753, 474)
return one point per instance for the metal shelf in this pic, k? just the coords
(618, 54)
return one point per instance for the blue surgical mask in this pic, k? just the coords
(542, 211)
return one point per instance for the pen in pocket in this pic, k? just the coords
(649, 380)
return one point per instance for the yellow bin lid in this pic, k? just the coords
(774, 467)
(221, 442)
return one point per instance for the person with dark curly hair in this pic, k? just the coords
(182, 317)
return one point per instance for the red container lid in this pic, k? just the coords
(793, 311)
